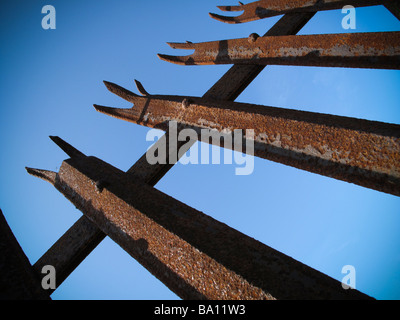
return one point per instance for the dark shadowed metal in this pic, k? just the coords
(78, 241)
(18, 280)
(194, 255)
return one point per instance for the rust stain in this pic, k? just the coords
(269, 8)
(363, 152)
(195, 255)
(375, 50)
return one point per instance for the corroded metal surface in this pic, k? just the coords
(363, 152)
(196, 256)
(78, 241)
(18, 279)
(376, 50)
(238, 77)
(269, 8)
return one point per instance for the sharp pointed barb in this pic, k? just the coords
(120, 91)
(172, 59)
(181, 45)
(141, 89)
(222, 18)
(46, 175)
(103, 109)
(67, 148)
(119, 113)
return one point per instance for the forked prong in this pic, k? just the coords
(141, 89)
(174, 59)
(67, 148)
(119, 113)
(121, 92)
(223, 18)
(46, 175)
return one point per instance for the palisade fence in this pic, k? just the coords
(194, 255)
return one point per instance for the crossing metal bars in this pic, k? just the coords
(193, 254)
(78, 241)
(170, 238)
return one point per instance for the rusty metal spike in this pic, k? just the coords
(121, 92)
(269, 8)
(67, 148)
(84, 235)
(193, 254)
(141, 89)
(343, 148)
(218, 17)
(46, 175)
(119, 113)
(375, 50)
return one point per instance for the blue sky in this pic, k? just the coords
(51, 78)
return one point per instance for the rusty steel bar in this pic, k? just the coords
(375, 50)
(363, 152)
(269, 8)
(78, 241)
(194, 255)
(76, 244)
(18, 279)
(228, 87)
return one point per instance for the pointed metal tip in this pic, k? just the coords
(141, 89)
(110, 111)
(110, 85)
(172, 59)
(120, 91)
(67, 148)
(163, 56)
(118, 113)
(182, 45)
(101, 109)
(46, 175)
(223, 18)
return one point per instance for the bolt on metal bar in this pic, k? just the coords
(18, 279)
(269, 8)
(84, 236)
(194, 255)
(374, 50)
(363, 152)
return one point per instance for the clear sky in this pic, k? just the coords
(51, 78)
